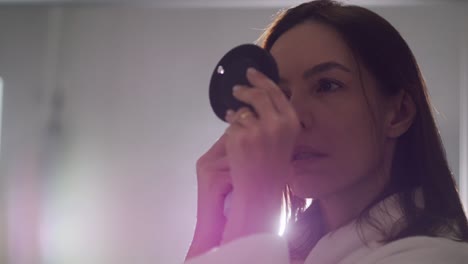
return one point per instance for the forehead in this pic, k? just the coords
(308, 44)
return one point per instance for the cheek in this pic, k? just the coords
(354, 140)
(355, 148)
(349, 138)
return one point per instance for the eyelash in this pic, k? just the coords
(320, 88)
(328, 82)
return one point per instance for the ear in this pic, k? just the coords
(400, 116)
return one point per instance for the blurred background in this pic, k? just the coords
(104, 112)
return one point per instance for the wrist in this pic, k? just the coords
(207, 235)
(251, 213)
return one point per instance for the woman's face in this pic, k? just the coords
(342, 145)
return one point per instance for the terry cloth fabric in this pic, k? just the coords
(345, 245)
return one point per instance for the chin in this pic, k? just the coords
(311, 189)
(306, 193)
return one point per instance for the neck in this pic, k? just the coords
(343, 207)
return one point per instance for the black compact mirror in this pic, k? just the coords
(231, 70)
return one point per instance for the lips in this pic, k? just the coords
(306, 153)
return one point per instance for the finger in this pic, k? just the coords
(222, 164)
(233, 128)
(233, 117)
(230, 119)
(239, 120)
(244, 117)
(257, 98)
(225, 181)
(279, 100)
(218, 149)
(230, 116)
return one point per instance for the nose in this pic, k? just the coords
(300, 106)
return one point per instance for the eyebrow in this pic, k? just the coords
(322, 67)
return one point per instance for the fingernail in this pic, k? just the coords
(236, 88)
(228, 115)
(252, 71)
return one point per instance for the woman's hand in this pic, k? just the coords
(214, 183)
(259, 148)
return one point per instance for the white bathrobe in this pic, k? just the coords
(343, 246)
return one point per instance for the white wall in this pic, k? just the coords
(136, 93)
(434, 35)
(464, 111)
(23, 67)
(136, 115)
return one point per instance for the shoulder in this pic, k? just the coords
(421, 250)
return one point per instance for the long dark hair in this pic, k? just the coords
(419, 160)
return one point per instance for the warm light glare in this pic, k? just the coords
(284, 219)
(71, 214)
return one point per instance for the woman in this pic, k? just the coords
(350, 126)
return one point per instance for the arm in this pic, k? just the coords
(209, 227)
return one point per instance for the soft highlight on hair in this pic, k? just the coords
(419, 159)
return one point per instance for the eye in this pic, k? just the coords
(327, 85)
